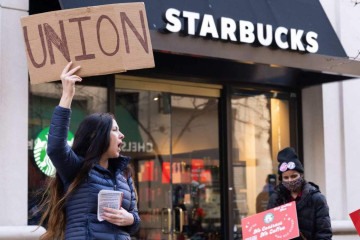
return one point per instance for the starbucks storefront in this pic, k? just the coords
(204, 126)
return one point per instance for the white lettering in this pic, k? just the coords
(228, 28)
(208, 26)
(137, 147)
(191, 17)
(295, 40)
(149, 147)
(141, 147)
(246, 29)
(266, 35)
(174, 24)
(264, 40)
(133, 146)
(313, 46)
(279, 42)
(277, 229)
(273, 225)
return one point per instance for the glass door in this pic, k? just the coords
(262, 124)
(173, 141)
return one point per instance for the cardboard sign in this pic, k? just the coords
(276, 223)
(101, 39)
(355, 218)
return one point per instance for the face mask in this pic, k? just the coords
(294, 185)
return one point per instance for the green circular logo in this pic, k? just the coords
(42, 160)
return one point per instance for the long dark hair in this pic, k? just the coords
(91, 140)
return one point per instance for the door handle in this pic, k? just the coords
(166, 220)
(178, 220)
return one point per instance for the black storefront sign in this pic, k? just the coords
(302, 24)
(302, 37)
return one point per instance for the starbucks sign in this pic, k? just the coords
(42, 160)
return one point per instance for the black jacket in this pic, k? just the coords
(312, 211)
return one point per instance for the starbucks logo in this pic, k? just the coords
(42, 160)
(269, 217)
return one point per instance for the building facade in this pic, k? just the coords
(204, 126)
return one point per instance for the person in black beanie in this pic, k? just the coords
(311, 206)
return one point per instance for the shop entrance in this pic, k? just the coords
(171, 133)
(262, 124)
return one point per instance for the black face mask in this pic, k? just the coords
(295, 185)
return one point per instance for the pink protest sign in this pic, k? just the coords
(276, 223)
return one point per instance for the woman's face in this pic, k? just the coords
(116, 138)
(290, 175)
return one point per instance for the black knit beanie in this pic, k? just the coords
(288, 160)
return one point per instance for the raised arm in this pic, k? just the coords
(64, 159)
(68, 80)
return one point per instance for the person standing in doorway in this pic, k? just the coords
(263, 197)
(92, 164)
(311, 206)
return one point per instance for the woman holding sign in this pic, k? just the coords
(312, 209)
(92, 164)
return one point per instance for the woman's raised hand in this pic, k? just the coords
(68, 80)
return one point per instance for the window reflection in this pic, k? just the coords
(180, 175)
(260, 124)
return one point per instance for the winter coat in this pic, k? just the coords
(312, 211)
(81, 205)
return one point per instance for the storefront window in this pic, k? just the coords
(42, 100)
(174, 144)
(261, 127)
